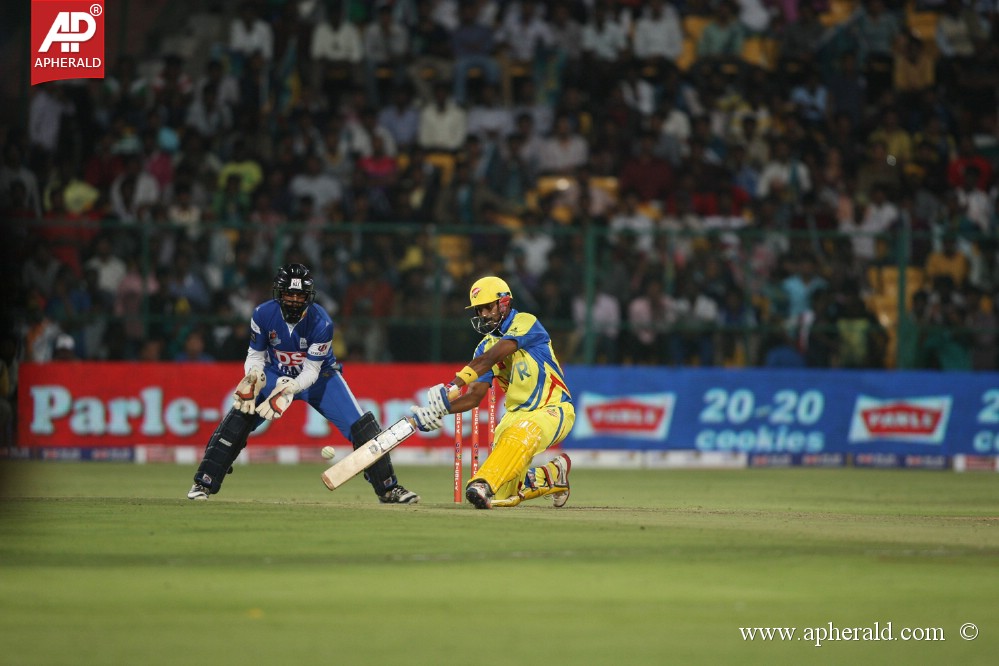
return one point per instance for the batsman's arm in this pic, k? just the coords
(475, 368)
(472, 397)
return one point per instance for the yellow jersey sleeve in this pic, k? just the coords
(531, 376)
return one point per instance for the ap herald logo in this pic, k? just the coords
(67, 40)
(916, 420)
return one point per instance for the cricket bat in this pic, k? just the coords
(366, 455)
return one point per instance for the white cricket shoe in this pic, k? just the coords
(478, 494)
(399, 495)
(199, 492)
(563, 464)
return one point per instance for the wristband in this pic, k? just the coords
(467, 375)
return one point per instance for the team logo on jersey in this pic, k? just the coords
(303, 343)
(272, 339)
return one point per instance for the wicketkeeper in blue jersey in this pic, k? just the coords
(290, 358)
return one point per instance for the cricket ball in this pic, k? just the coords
(328, 452)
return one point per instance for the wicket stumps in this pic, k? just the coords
(459, 442)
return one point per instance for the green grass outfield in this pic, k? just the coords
(109, 564)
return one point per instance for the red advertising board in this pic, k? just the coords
(179, 404)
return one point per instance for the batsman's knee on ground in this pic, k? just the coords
(520, 437)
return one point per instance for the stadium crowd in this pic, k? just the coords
(761, 178)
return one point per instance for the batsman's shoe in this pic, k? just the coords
(199, 492)
(562, 466)
(399, 495)
(479, 496)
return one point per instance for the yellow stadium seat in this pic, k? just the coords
(923, 25)
(693, 26)
(548, 184)
(455, 250)
(444, 162)
(839, 11)
(760, 51)
(608, 184)
(688, 55)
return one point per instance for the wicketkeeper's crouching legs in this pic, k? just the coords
(380, 475)
(223, 447)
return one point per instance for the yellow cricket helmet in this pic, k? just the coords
(487, 290)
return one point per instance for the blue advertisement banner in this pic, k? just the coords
(904, 416)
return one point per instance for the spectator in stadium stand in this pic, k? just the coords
(563, 151)
(421, 182)
(984, 324)
(605, 318)
(231, 205)
(914, 71)
(443, 123)
(40, 267)
(337, 50)
(312, 182)
(244, 165)
(696, 320)
(386, 44)
(638, 94)
(465, 201)
(948, 261)
(567, 42)
(249, 34)
(510, 176)
(45, 121)
(193, 348)
(877, 171)
(878, 217)
(810, 100)
(977, 204)
(651, 316)
(862, 340)
(959, 33)
(473, 47)
(722, 37)
(15, 170)
(779, 351)
(401, 118)
(898, 142)
(429, 52)
(126, 92)
(604, 44)
(875, 30)
(800, 40)
(207, 114)
(226, 85)
(658, 36)
(133, 192)
(968, 156)
(487, 114)
(526, 43)
(646, 174)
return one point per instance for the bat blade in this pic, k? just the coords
(367, 454)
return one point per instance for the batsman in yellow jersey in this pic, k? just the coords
(517, 352)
